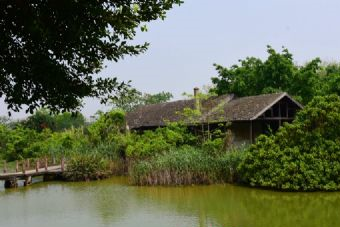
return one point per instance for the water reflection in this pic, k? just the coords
(114, 203)
(238, 206)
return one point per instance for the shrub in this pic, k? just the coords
(159, 141)
(13, 142)
(111, 153)
(107, 126)
(86, 167)
(304, 155)
(147, 144)
(57, 144)
(213, 147)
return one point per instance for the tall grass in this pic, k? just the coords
(185, 166)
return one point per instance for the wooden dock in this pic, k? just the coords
(48, 172)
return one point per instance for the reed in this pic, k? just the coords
(186, 166)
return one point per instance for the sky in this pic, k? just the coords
(199, 33)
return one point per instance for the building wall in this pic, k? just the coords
(241, 130)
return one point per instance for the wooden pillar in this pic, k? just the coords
(37, 166)
(16, 166)
(62, 164)
(5, 166)
(28, 164)
(46, 165)
(23, 165)
(28, 180)
(251, 131)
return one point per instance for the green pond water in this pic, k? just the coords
(114, 202)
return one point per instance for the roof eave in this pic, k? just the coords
(284, 94)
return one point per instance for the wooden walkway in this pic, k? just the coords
(32, 173)
(48, 172)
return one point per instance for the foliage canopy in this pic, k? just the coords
(49, 50)
(278, 72)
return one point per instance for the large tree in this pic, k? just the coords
(50, 49)
(278, 72)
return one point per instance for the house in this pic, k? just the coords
(249, 116)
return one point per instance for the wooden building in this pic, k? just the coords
(249, 116)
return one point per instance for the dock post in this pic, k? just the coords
(23, 166)
(46, 164)
(16, 166)
(28, 164)
(37, 166)
(62, 164)
(5, 166)
(28, 180)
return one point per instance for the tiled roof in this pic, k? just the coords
(219, 109)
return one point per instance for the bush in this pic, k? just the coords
(86, 167)
(302, 156)
(57, 144)
(111, 153)
(147, 144)
(214, 146)
(220, 142)
(159, 141)
(14, 142)
(107, 126)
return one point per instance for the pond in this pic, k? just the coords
(114, 202)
